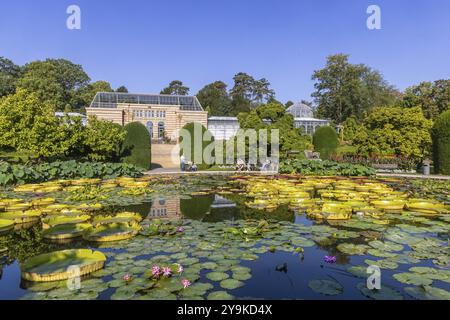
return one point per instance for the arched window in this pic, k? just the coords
(150, 128)
(161, 129)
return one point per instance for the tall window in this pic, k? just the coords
(150, 128)
(161, 129)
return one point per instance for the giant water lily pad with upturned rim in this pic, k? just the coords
(54, 266)
(65, 231)
(110, 232)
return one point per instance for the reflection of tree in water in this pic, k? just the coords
(143, 209)
(196, 208)
(25, 243)
(282, 213)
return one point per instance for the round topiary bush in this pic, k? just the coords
(194, 139)
(326, 141)
(441, 143)
(137, 147)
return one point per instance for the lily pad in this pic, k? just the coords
(413, 278)
(217, 276)
(385, 293)
(231, 284)
(65, 231)
(326, 287)
(54, 266)
(428, 293)
(352, 249)
(383, 264)
(386, 246)
(110, 232)
(220, 295)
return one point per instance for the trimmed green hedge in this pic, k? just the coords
(61, 170)
(194, 151)
(325, 168)
(137, 147)
(441, 143)
(326, 141)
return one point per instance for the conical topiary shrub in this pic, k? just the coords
(326, 141)
(441, 143)
(137, 147)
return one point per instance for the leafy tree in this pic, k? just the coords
(441, 143)
(288, 104)
(433, 98)
(9, 73)
(326, 141)
(215, 97)
(85, 95)
(343, 89)
(103, 140)
(137, 149)
(248, 93)
(176, 88)
(274, 116)
(350, 127)
(28, 123)
(394, 131)
(262, 91)
(122, 89)
(54, 80)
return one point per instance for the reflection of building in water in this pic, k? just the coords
(221, 202)
(163, 208)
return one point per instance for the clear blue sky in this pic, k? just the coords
(144, 44)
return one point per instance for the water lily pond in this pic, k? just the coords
(217, 237)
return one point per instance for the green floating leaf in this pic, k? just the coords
(384, 264)
(428, 293)
(358, 271)
(220, 295)
(231, 284)
(217, 276)
(352, 249)
(386, 246)
(385, 293)
(413, 278)
(326, 287)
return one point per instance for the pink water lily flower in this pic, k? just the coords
(156, 271)
(186, 283)
(180, 269)
(180, 229)
(330, 259)
(167, 272)
(127, 278)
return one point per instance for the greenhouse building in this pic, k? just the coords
(163, 115)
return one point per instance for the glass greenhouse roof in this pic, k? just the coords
(300, 110)
(112, 99)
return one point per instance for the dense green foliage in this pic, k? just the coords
(54, 80)
(274, 116)
(103, 140)
(20, 174)
(215, 98)
(395, 132)
(344, 89)
(9, 73)
(432, 97)
(176, 88)
(350, 128)
(28, 125)
(325, 168)
(326, 141)
(194, 141)
(137, 148)
(441, 143)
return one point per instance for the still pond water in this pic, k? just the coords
(283, 260)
